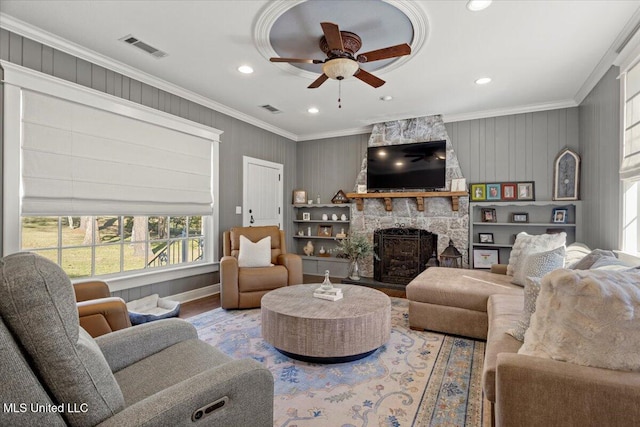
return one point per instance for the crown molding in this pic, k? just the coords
(335, 134)
(532, 108)
(26, 30)
(611, 57)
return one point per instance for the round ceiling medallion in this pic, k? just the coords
(291, 29)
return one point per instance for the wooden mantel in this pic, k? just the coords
(418, 195)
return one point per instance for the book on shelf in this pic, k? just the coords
(328, 296)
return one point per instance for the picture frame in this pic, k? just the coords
(485, 258)
(361, 189)
(458, 184)
(488, 215)
(520, 217)
(509, 191)
(526, 191)
(478, 192)
(325, 230)
(560, 215)
(485, 238)
(493, 191)
(566, 175)
(306, 216)
(299, 197)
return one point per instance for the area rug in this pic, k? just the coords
(417, 379)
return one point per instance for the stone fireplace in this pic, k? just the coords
(438, 216)
(402, 253)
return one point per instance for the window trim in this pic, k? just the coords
(15, 79)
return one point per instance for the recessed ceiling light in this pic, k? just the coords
(313, 110)
(245, 69)
(483, 80)
(477, 5)
(386, 98)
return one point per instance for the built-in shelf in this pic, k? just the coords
(526, 224)
(316, 237)
(418, 195)
(320, 221)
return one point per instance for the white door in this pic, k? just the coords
(262, 189)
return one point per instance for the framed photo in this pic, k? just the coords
(306, 216)
(493, 191)
(361, 189)
(509, 191)
(488, 215)
(560, 216)
(520, 217)
(526, 191)
(484, 258)
(485, 237)
(299, 197)
(458, 184)
(325, 230)
(478, 192)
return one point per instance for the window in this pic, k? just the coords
(630, 169)
(104, 245)
(104, 186)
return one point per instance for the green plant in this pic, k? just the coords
(355, 247)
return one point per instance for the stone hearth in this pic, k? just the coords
(438, 216)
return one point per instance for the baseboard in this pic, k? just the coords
(195, 294)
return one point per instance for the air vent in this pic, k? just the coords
(271, 108)
(133, 41)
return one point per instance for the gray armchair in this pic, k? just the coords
(158, 373)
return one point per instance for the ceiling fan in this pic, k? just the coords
(342, 61)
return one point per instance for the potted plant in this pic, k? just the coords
(355, 248)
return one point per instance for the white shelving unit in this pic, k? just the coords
(316, 265)
(504, 229)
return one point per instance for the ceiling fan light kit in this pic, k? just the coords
(340, 68)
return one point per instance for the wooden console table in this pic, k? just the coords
(418, 195)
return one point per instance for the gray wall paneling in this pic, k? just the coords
(600, 156)
(239, 138)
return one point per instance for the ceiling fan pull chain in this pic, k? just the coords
(339, 93)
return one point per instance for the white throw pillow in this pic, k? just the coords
(575, 252)
(526, 244)
(587, 317)
(538, 264)
(588, 260)
(531, 291)
(255, 254)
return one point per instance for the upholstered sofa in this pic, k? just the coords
(522, 390)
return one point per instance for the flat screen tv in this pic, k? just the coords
(416, 166)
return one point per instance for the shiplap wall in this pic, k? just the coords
(600, 155)
(239, 138)
(519, 147)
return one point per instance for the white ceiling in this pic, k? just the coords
(540, 55)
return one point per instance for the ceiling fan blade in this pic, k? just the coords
(297, 60)
(369, 78)
(385, 53)
(317, 82)
(332, 34)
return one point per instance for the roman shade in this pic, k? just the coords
(82, 160)
(631, 155)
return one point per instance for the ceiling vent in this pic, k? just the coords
(271, 109)
(133, 41)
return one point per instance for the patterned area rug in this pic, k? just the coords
(416, 379)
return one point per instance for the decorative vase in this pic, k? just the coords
(326, 284)
(354, 273)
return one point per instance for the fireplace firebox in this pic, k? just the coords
(403, 253)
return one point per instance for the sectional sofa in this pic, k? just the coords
(522, 390)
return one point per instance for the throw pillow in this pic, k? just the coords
(609, 263)
(587, 317)
(531, 291)
(539, 264)
(255, 254)
(526, 244)
(593, 256)
(575, 252)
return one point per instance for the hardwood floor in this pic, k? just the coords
(193, 308)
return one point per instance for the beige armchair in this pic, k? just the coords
(99, 312)
(244, 287)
